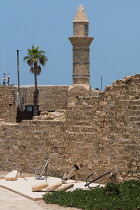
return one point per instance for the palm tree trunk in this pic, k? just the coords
(35, 96)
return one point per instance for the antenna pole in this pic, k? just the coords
(18, 72)
(4, 60)
(4, 67)
(101, 82)
(3, 78)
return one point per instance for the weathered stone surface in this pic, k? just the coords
(65, 187)
(56, 116)
(51, 98)
(53, 187)
(99, 136)
(7, 103)
(12, 176)
(39, 186)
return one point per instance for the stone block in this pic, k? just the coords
(11, 176)
(39, 186)
(65, 187)
(53, 187)
(103, 103)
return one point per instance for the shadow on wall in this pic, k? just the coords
(27, 114)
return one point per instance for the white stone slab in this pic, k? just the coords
(23, 187)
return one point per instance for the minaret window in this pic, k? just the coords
(86, 29)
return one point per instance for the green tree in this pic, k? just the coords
(34, 59)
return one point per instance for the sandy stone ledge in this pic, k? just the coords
(18, 202)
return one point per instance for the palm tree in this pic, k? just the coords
(34, 59)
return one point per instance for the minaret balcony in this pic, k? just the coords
(81, 41)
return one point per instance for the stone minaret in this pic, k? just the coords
(81, 42)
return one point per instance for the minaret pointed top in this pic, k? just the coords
(81, 15)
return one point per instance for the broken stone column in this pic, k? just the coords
(65, 187)
(39, 186)
(53, 187)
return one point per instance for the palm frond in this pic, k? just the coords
(25, 58)
(43, 59)
(38, 70)
(30, 62)
(32, 70)
(34, 58)
(42, 52)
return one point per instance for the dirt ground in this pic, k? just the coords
(13, 201)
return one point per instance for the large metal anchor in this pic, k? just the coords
(40, 177)
(112, 176)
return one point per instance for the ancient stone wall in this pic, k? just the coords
(112, 121)
(27, 145)
(7, 103)
(102, 132)
(50, 97)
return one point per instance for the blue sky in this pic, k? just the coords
(114, 24)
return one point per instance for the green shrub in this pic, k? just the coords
(112, 189)
(124, 196)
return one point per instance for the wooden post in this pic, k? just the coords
(76, 176)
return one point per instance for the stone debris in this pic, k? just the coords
(53, 187)
(65, 187)
(39, 186)
(12, 176)
(55, 116)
